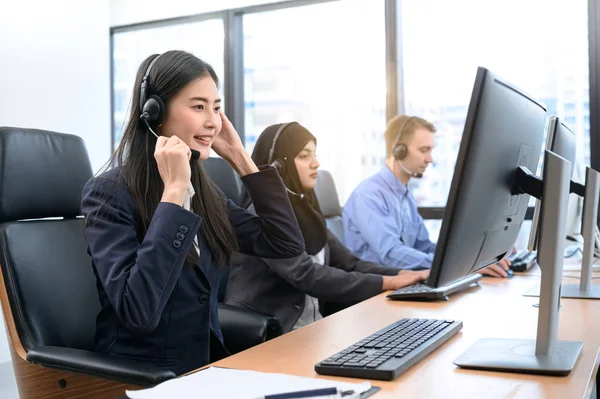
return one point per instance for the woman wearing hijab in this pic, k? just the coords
(290, 289)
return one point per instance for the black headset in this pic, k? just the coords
(153, 108)
(399, 150)
(277, 163)
(280, 165)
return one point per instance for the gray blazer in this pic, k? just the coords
(278, 286)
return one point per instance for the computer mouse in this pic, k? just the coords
(509, 273)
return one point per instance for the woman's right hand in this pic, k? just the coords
(173, 159)
(404, 279)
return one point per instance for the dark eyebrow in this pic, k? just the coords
(203, 99)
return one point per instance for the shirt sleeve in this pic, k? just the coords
(423, 243)
(378, 227)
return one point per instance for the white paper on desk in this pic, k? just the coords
(216, 382)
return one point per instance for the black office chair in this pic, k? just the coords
(332, 211)
(223, 175)
(330, 203)
(47, 285)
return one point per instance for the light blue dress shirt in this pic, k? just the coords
(382, 224)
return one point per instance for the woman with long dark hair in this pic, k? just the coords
(157, 227)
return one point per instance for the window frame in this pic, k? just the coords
(234, 67)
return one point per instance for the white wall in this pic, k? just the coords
(125, 12)
(55, 74)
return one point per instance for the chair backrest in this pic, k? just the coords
(47, 272)
(224, 177)
(330, 203)
(228, 181)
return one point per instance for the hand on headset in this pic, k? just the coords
(227, 140)
(173, 159)
(229, 146)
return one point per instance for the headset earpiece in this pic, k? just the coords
(153, 110)
(278, 163)
(400, 152)
(152, 107)
(280, 166)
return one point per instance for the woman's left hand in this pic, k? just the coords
(228, 146)
(227, 142)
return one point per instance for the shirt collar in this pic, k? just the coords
(187, 201)
(190, 191)
(392, 181)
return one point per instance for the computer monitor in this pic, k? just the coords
(504, 129)
(561, 141)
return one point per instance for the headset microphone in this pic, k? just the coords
(195, 154)
(279, 166)
(412, 174)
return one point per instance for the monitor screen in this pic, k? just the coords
(504, 129)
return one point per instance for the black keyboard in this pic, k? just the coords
(391, 351)
(425, 292)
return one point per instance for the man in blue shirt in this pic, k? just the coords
(381, 220)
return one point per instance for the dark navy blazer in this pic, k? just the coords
(154, 308)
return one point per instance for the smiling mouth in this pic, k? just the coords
(203, 139)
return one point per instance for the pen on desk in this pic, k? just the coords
(308, 394)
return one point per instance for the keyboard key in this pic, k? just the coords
(354, 364)
(331, 363)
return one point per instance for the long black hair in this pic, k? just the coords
(135, 155)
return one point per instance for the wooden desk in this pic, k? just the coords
(495, 309)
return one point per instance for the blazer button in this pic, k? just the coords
(184, 229)
(177, 243)
(180, 236)
(203, 298)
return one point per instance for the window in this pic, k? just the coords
(205, 39)
(331, 80)
(439, 69)
(121, 98)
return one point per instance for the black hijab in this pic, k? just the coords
(290, 142)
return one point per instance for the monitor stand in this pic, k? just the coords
(546, 354)
(584, 289)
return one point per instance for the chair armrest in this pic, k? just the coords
(98, 364)
(244, 328)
